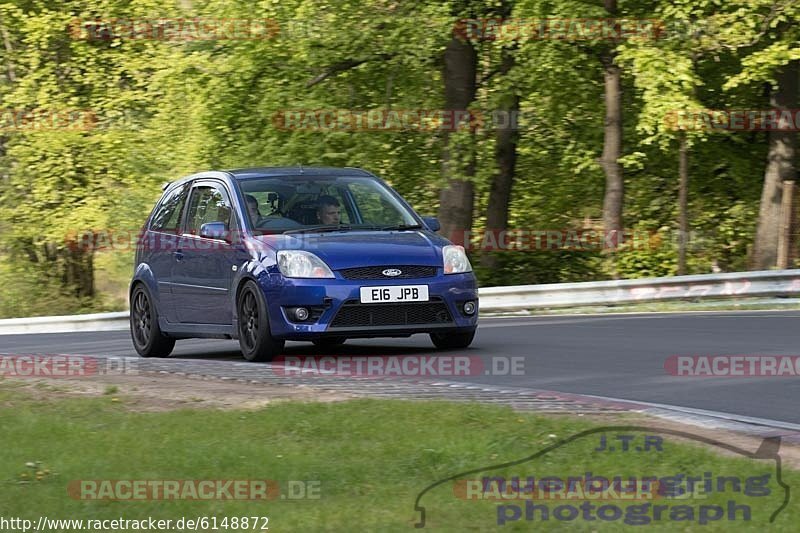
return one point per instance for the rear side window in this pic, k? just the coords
(168, 213)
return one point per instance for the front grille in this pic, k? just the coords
(376, 272)
(355, 314)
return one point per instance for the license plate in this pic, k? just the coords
(395, 293)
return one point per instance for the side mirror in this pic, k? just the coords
(214, 230)
(432, 223)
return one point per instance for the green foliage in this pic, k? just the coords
(653, 257)
(169, 108)
(534, 267)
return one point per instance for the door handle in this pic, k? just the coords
(178, 255)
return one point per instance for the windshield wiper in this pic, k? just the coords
(318, 229)
(400, 227)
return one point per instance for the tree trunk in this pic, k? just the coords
(787, 223)
(612, 136)
(10, 71)
(505, 155)
(780, 166)
(456, 199)
(78, 275)
(683, 203)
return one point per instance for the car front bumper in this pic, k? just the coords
(335, 309)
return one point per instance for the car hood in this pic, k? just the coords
(348, 249)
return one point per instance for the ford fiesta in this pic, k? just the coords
(267, 255)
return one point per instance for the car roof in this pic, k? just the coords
(295, 171)
(298, 171)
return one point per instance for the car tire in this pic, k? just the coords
(145, 331)
(448, 341)
(255, 338)
(329, 342)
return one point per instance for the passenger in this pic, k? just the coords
(252, 209)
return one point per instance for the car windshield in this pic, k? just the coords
(297, 204)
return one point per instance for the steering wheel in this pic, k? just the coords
(278, 222)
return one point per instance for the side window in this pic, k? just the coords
(270, 203)
(168, 214)
(374, 206)
(208, 204)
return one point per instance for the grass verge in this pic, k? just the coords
(369, 460)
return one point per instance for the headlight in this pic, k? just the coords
(455, 259)
(300, 264)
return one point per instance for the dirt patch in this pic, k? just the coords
(152, 392)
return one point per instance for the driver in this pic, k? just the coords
(328, 210)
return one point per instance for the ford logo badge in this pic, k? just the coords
(392, 272)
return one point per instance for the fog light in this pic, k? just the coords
(301, 313)
(469, 308)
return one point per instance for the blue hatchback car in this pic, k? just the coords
(266, 255)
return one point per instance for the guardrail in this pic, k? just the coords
(704, 286)
(65, 324)
(731, 285)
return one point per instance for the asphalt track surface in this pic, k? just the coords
(618, 356)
